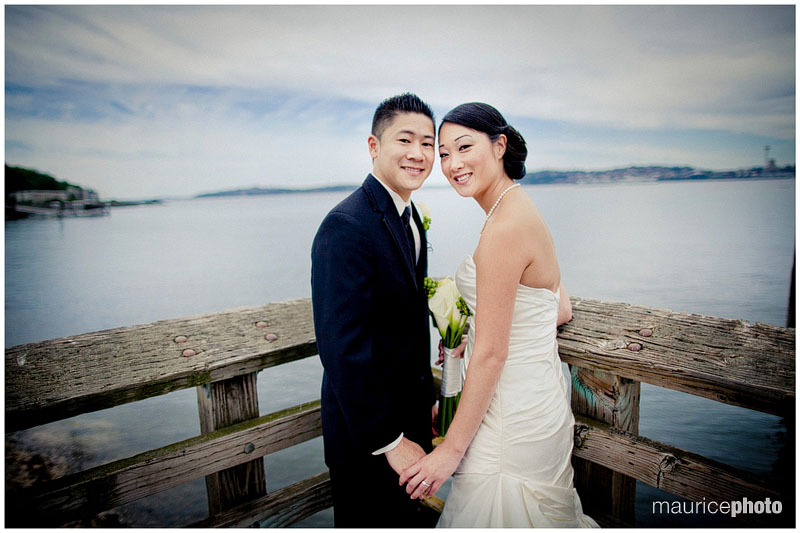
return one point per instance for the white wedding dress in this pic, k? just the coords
(517, 470)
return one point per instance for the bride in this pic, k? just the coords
(509, 445)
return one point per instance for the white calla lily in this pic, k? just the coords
(443, 320)
(444, 306)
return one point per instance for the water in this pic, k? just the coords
(714, 248)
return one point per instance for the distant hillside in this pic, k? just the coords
(257, 191)
(639, 174)
(620, 175)
(25, 179)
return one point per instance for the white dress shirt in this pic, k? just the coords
(401, 205)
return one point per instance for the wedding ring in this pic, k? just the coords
(426, 483)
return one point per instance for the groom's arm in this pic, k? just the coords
(342, 300)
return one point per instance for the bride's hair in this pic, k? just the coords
(485, 118)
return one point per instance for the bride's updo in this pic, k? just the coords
(485, 118)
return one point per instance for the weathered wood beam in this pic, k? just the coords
(730, 361)
(432, 502)
(286, 506)
(725, 360)
(127, 480)
(56, 379)
(671, 469)
(281, 508)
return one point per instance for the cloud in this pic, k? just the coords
(286, 92)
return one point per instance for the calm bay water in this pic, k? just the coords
(714, 248)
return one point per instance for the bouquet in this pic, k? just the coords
(449, 312)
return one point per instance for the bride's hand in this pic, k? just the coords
(458, 351)
(433, 469)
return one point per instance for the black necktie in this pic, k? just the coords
(406, 218)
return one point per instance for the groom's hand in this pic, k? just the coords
(404, 455)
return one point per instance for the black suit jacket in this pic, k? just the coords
(372, 329)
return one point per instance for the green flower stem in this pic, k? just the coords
(447, 410)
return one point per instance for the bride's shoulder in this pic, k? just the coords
(500, 242)
(528, 221)
(517, 234)
(514, 226)
(501, 232)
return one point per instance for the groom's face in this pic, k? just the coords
(402, 157)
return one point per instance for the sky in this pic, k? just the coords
(154, 101)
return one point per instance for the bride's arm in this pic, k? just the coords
(564, 306)
(500, 261)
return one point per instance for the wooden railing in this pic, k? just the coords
(612, 348)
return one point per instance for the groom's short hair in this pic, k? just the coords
(402, 103)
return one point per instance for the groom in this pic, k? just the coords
(369, 261)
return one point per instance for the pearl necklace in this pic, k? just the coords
(496, 203)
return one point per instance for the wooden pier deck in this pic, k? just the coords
(611, 347)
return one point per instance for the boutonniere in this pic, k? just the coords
(425, 211)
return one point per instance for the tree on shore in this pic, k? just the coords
(25, 179)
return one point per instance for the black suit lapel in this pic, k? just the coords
(382, 202)
(398, 232)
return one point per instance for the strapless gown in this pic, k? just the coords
(517, 470)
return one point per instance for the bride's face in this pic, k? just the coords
(470, 160)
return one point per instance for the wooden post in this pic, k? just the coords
(615, 401)
(221, 404)
(790, 316)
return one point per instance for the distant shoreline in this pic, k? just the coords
(258, 191)
(549, 177)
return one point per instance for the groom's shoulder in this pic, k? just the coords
(357, 204)
(353, 204)
(348, 215)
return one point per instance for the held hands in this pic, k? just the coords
(409, 452)
(427, 475)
